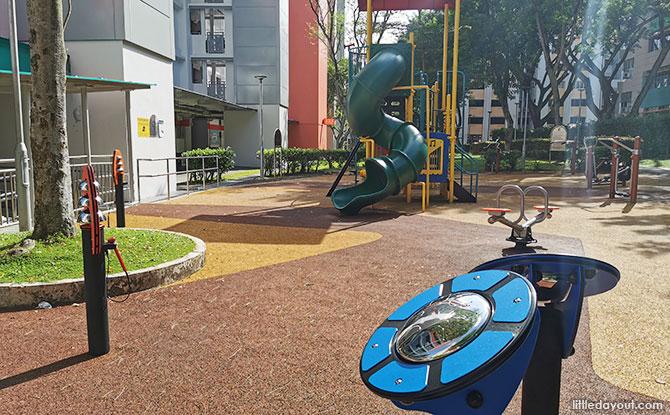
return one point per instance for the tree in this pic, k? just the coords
(660, 8)
(53, 183)
(558, 28)
(611, 31)
(329, 29)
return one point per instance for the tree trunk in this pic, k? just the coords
(53, 183)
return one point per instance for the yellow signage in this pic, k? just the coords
(143, 127)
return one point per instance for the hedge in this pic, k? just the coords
(304, 160)
(226, 162)
(653, 128)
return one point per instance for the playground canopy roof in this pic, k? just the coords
(407, 4)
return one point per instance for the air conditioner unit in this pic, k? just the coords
(627, 74)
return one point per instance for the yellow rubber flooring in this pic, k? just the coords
(233, 247)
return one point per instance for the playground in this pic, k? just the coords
(276, 321)
(349, 294)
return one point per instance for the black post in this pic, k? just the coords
(95, 287)
(344, 168)
(542, 381)
(120, 205)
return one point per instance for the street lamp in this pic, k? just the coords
(525, 127)
(488, 133)
(260, 80)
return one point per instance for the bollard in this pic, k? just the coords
(95, 284)
(119, 177)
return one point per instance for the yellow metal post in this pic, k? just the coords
(454, 95)
(446, 118)
(445, 51)
(410, 111)
(370, 28)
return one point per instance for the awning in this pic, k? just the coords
(191, 103)
(77, 83)
(407, 4)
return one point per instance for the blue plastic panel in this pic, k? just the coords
(378, 348)
(474, 355)
(398, 377)
(415, 304)
(512, 302)
(477, 281)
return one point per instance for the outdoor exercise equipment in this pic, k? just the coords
(463, 346)
(119, 182)
(94, 249)
(95, 286)
(618, 170)
(522, 234)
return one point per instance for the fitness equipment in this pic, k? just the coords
(463, 346)
(119, 177)
(619, 171)
(522, 234)
(94, 250)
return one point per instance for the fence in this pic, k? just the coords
(103, 167)
(8, 198)
(189, 173)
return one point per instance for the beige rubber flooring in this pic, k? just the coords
(630, 325)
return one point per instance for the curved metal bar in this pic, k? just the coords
(520, 191)
(542, 216)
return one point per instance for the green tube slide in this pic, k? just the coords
(385, 175)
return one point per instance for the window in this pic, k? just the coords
(215, 25)
(216, 79)
(629, 64)
(654, 44)
(626, 99)
(578, 102)
(496, 103)
(196, 70)
(476, 120)
(577, 120)
(477, 103)
(498, 120)
(196, 26)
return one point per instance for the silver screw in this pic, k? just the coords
(517, 300)
(477, 277)
(398, 381)
(374, 346)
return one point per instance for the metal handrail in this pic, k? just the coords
(188, 171)
(473, 172)
(8, 196)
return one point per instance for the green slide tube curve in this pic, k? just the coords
(385, 175)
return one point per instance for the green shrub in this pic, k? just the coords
(509, 159)
(226, 162)
(653, 128)
(304, 160)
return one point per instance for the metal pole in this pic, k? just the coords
(139, 194)
(167, 167)
(129, 151)
(85, 123)
(589, 167)
(370, 29)
(635, 169)
(614, 170)
(525, 133)
(452, 121)
(21, 151)
(260, 80)
(573, 163)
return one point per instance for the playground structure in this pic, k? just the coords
(418, 153)
(522, 234)
(618, 171)
(463, 346)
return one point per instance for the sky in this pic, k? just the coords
(389, 37)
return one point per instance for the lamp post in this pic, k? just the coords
(515, 126)
(260, 80)
(525, 130)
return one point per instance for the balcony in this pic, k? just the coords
(216, 42)
(217, 89)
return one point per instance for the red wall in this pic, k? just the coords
(308, 81)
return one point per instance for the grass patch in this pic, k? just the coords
(240, 174)
(61, 258)
(656, 163)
